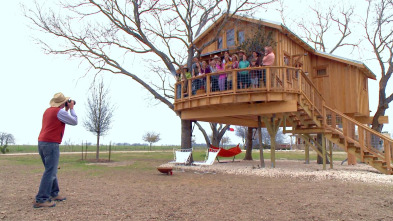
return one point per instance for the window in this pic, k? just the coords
(219, 43)
(230, 37)
(287, 59)
(321, 71)
(365, 83)
(240, 37)
(287, 62)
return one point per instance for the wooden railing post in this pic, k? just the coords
(284, 83)
(361, 142)
(323, 115)
(388, 158)
(189, 89)
(268, 79)
(208, 88)
(234, 81)
(313, 101)
(181, 89)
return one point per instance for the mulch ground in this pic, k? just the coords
(120, 192)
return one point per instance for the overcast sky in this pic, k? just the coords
(29, 78)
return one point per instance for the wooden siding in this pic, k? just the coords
(343, 87)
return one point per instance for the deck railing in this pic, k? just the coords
(255, 79)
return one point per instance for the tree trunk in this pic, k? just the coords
(98, 147)
(248, 155)
(186, 134)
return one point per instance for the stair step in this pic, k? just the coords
(335, 136)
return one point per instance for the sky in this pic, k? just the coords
(29, 78)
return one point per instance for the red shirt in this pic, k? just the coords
(52, 128)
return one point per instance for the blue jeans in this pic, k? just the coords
(49, 187)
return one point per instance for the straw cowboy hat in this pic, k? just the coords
(216, 57)
(58, 99)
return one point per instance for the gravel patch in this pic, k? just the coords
(296, 169)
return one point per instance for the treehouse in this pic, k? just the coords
(305, 91)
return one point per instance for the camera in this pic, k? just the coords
(69, 101)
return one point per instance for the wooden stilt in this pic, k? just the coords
(331, 154)
(262, 160)
(272, 127)
(324, 151)
(307, 153)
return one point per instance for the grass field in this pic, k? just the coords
(158, 153)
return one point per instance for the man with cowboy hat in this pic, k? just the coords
(53, 124)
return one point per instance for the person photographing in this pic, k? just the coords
(60, 113)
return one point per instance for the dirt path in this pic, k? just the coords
(123, 193)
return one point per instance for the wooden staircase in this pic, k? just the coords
(313, 117)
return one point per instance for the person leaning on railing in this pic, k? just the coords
(213, 78)
(228, 66)
(235, 65)
(195, 68)
(243, 76)
(222, 77)
(268, 60)
(205, 69)
(254, 74)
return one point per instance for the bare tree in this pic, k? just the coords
(225, 140)
(5, 139)
(105, 33)
(218, 131)
(379, 33)
(151, 137)
(326, 29)
(241, 131)
(99, 113)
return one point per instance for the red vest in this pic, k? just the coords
(52, 128)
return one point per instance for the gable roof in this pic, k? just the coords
(282, 28)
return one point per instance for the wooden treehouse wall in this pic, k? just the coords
(344, 86)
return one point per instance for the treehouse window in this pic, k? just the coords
(365, 81)
(219, 43)
(298, 65)
(230, 37)
(321, 71)
(240, 37)
(287, 62)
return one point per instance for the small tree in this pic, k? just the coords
(241, 131)
(259, 41)
(5, 139)
(151, 137)
(225, 140)
(99, 113)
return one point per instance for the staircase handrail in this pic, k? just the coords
(359, 124)
(318, 108)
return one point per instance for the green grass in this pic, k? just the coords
(78, 148)
(140, 160)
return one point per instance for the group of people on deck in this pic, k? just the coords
(223, 80)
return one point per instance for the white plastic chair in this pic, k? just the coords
(182, 156)
(212, 155)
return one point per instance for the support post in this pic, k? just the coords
(324, 151)
(331, 154)
(262, 160)
(307, 153)
(272, 127)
